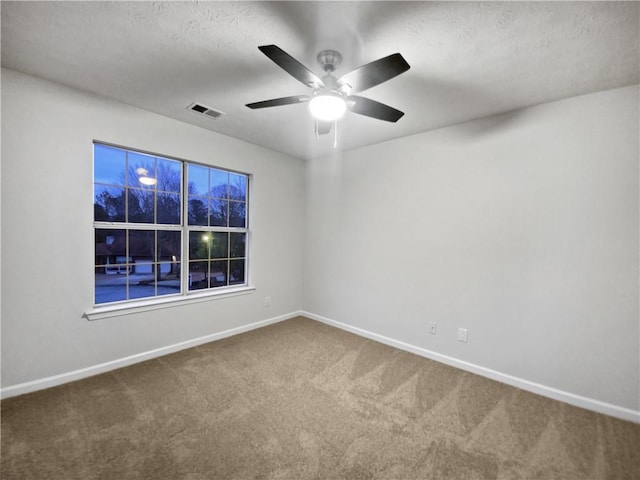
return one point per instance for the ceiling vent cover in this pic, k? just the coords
(204, 110)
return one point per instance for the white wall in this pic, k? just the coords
(521, 228)
(47, 282)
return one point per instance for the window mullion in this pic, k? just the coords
(157, 267)
(228, 259)
(126, 260)
(184, 269)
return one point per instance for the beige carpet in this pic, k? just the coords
(301, 400)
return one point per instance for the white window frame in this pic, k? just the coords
(184, 296)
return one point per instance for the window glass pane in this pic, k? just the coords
(143, 266)
(109, 165)
(168, 285)
(198, 245)
(218, 244)
(198, 275)
(169, 254)
(111, 266)
(168, 208)
(110, 288)
(109, 204)
(218, 180)
(141, 288)
(109, 244)
(169, 175)
(141, 170)
(237, 214)
(142, 246)
(218, 213)
(236, 272)
(238, 187)
(141, 205)
(218, 274)
(198, 210)
(237, 245)
(169, 249)
(198, 180)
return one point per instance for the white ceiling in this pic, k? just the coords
(468, 59)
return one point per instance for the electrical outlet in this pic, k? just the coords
(433, 328)
(267, 301)
(462, 335)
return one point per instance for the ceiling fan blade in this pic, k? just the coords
(277, 102)
(371, 108)
(374, 73)
(291, 66)
(323, 128)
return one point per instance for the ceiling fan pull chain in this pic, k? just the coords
(335, 134)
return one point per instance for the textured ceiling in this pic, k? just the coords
(468, 59)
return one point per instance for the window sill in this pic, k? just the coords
(98, 313)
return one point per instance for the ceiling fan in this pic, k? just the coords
(331, 97)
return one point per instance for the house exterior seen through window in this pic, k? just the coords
(165, 227)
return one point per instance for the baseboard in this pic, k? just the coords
(27, 387)
(550, 392)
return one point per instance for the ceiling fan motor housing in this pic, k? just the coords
(329, 60)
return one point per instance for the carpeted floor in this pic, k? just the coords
(301, 400)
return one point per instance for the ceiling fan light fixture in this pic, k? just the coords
(327, 107)
(149, 181)
(144, 178)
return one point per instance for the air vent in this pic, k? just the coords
(204, 110)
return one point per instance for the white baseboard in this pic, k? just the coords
(40, 384)
(550, 392)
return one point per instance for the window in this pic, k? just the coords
(151, 212)
(217, 213)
